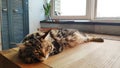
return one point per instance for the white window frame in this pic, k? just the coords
(103, 19)
(87, 17)
(91, 11)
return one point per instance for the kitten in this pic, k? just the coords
(39, 46)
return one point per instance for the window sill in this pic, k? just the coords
(106, 20)
(84, 23)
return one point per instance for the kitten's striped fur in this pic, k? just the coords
(39, 46)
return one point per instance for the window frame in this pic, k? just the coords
(87, 17)
(103, 19)
(91, 14)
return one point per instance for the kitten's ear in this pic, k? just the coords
(21, 45)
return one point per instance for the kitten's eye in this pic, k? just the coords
(48, 48)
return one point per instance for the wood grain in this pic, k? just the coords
(12, 55)
(87, 55)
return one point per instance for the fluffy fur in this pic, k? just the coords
(39, 46)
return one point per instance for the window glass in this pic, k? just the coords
(70, 7)
(108, 8)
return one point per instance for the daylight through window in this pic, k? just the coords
(108, 8)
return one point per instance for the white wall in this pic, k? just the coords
(36, 14)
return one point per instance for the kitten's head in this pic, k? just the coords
(46, 48)
(31, 53)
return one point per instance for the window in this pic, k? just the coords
(86, 10)
(108, 9)
(70, 9)
(73, 8)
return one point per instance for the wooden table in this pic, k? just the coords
(9, 58)
(87, 55)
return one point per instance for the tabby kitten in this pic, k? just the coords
(39, 46)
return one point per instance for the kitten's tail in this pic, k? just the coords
(95, 40)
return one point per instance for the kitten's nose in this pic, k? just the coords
(43, 55)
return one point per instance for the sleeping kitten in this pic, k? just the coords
(39, 46)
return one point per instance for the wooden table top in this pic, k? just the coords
(87, 55)
(9, 58)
